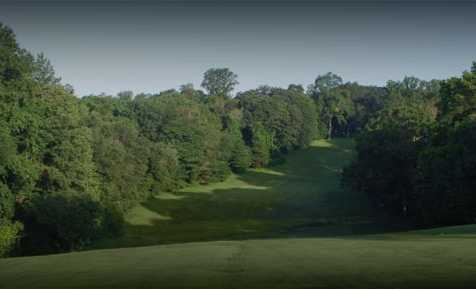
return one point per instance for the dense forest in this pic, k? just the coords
(71, 167)
(417, 156)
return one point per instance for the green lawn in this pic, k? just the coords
(434, 262)
(289, 226)
(304, 192)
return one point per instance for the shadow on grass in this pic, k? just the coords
(300, 198)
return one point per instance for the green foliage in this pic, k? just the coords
(344, 109)
(71, 168)
(276, 121)
(44, 147)
(219, 81)
(44, 72)
(260, 202)
(261, 144)
(121, 157)
(186, 123)
(333, 102)
(367, 101)
(7, 152)
(9, 234)
(57, 223)
(240, 158)
(164, 166)
(414, 166)
(458, 100)
(239, 154)
(385, 167)
(307, 185)
(7, 202)
(15, 63)
(446, 178)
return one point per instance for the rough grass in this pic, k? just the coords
(289, 226)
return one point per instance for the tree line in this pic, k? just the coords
(416, 158)
(71, 168)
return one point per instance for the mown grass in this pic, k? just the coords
(304, 191)
(290, 226)
(425, 262)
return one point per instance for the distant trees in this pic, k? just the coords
(333, 102)
(276, 121)
(219, 81)
(458, 101)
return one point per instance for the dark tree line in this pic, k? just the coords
(417, 156)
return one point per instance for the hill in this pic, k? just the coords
(413, 262)
(289, 226)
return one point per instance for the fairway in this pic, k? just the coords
(301, 195)
(288, 226)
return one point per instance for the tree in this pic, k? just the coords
(415, 167)
(219, 82)
(59, 223)
(15, 63)
(9, 235)
(239, 155)
(276, 119)
(261, 145)
(126, 95)
(44, 72)
(121, 157)
(387, 156)
(164, 167)
(458, 98)
(297, 88)
(333, 102)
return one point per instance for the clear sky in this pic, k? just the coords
(110, 46)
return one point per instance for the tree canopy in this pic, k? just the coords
(219, 81)
(70, 167)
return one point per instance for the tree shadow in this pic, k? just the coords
(299, 198)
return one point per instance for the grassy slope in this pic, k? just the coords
(275, 263)
(300, 198)
(261, 203)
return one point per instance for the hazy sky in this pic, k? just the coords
(110, 46)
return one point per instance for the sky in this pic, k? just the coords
(109, 46)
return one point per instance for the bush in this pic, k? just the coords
(59, 223)
(8, 236)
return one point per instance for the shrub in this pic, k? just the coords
(8, 236)
(58, 223)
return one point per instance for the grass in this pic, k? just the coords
(303, 192)
(289, 226)
(272, 263)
